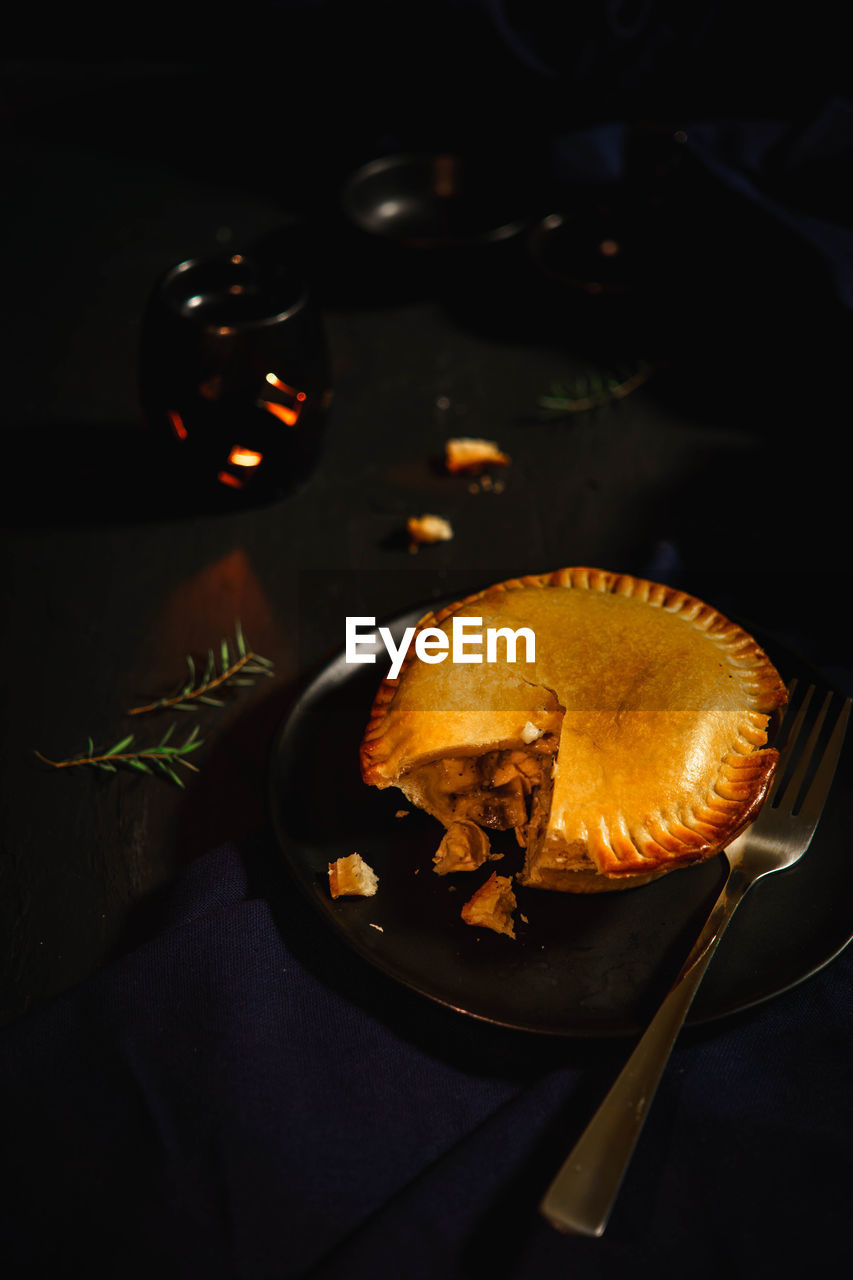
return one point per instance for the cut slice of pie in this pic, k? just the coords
(632, 743)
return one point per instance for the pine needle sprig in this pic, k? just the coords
(163, 757)
(237, 665)
(597, 388)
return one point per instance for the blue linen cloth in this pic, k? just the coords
(239, 1096)
(791, 172)
(764, 107)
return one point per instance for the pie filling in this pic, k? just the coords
(504, 790)
(512, 789)
(495, 790)
(543, 850)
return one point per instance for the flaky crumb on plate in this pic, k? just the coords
(352, 877)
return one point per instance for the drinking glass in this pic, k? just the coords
(234, 374)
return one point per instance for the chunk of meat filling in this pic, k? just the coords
(465, 847)
(492, 906)
(493, 789)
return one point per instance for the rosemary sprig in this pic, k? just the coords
(237, 666)
(162, 757)
(596, 389)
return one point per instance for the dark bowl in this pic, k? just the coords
(426, 201)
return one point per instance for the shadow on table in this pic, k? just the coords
(77, 475)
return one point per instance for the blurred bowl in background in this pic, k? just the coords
(429, 201)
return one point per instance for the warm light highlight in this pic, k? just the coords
(288, 416)
(240, 457)
(234, 482)
(177, 424)
(286, 413)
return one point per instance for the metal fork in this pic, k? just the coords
(582, 1195)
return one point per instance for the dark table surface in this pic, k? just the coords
(725, 473)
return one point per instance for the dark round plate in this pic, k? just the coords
(581, 965)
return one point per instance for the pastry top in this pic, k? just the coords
(656, 705)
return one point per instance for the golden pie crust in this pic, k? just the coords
(633, 744)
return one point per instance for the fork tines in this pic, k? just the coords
(818, 768)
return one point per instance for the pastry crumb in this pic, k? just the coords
(352, 877)
(376, 926)
(402, 813)
(428, 528)
(464, 847)
(530, 733)
(492, 905)
(466, 453)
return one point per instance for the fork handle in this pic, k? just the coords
(582, 1195)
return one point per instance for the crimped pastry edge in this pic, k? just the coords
(731, 803)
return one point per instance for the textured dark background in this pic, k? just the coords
(200, 1077)
(726, 472)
